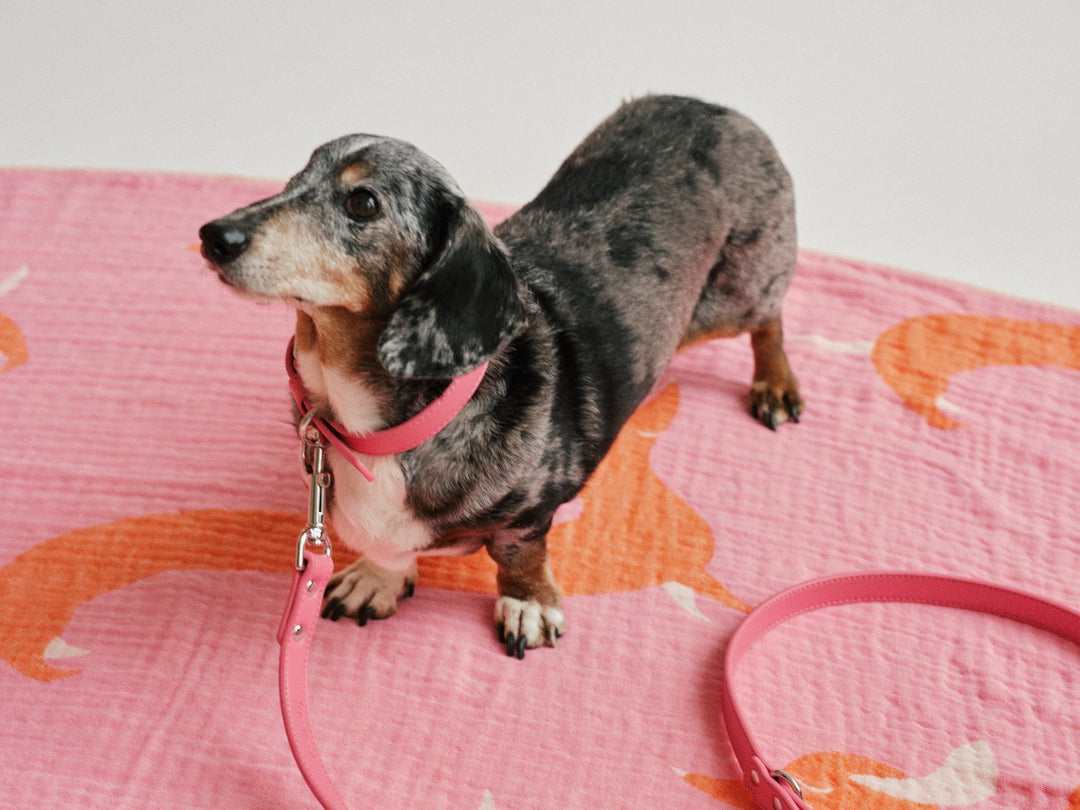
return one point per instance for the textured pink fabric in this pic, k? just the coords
(150, 497)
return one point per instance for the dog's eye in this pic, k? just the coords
(361, 204)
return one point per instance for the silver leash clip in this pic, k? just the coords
(313, 451)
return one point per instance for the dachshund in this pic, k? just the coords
(673, 222)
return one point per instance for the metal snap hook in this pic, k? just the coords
(314, 455)
(306, 428)
(315, 536)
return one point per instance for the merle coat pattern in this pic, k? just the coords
(673, 222)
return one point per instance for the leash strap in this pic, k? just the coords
(312, 571)
(771, 788)
(295, 634)
(775, 789)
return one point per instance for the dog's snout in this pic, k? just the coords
(221, 242)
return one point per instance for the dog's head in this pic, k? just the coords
(377, 227)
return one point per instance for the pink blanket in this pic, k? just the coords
(151, 496)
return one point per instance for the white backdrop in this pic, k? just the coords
(938, 136)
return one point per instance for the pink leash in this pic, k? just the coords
(294, 635)
(313, 568)
(313, 565)
(772, 789)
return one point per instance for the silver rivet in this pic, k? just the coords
(298, 631)
(755, 777)
(310, 585)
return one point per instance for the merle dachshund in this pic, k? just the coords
(672, 223)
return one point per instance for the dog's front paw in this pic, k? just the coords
(524, 624)
(365, 591)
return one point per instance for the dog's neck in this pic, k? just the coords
(335, 354)
(324, 393)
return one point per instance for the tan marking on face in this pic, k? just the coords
(353, 175)
(347, 340)
(305, 332)
(289, 258)
(398, 279)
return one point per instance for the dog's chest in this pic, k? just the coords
(373, 517)
(347, 399)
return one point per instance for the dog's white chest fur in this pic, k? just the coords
(373, 517)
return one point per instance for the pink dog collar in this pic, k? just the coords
(391, 441)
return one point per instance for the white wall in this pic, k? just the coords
(939, 136)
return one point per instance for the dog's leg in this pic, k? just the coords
(363, 590)
(527, 612)
(774, 394)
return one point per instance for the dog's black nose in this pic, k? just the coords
(222, 243)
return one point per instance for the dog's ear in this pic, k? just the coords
(464, 307)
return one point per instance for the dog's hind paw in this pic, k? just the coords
(364, 591)
(774, 405)
(774, 395)
(524, 624)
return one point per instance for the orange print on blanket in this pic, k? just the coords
(59, 575)
(633, 532)
(827, 780)
(1074, 800)
(917, 357)
(12, 345)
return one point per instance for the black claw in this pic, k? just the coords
(502, 632)
(520, 651)
(794, 408)
(333, 610)
(511, 644)
(770, 420)
(410, 589)
(366, 612)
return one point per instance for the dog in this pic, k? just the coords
(673, 222)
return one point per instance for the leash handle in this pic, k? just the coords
(774, 789)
